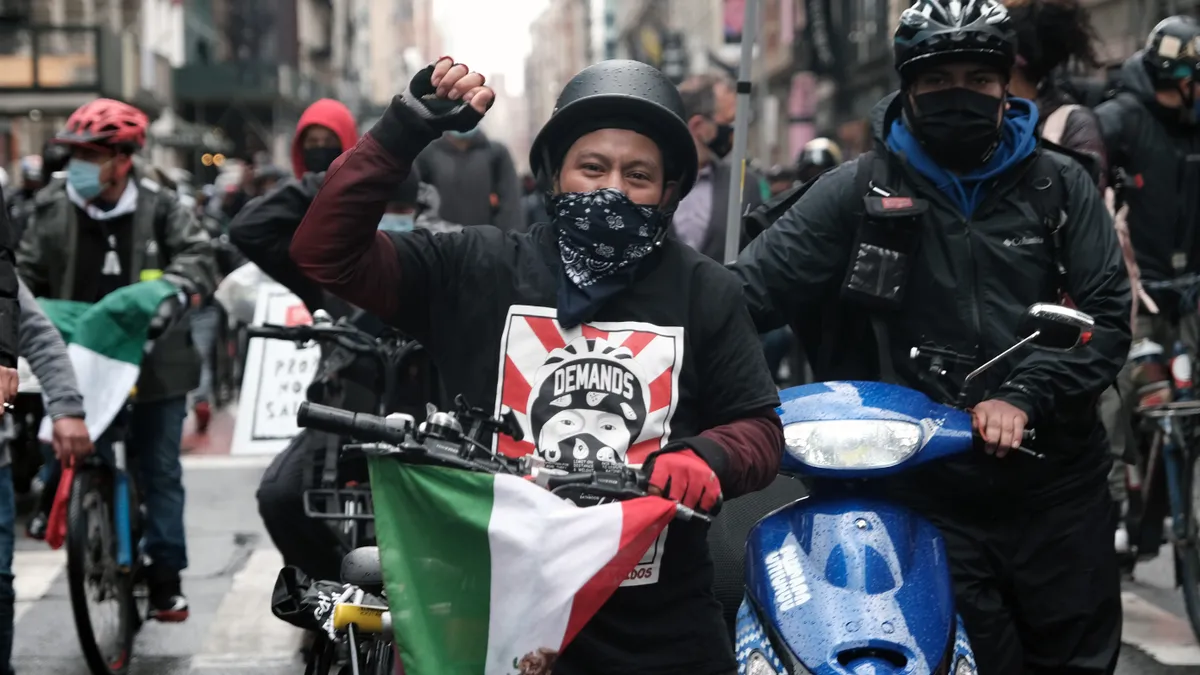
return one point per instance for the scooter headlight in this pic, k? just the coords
(963, 667)
(759, 665)
(852, 444)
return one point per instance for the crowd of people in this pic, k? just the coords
(992, 183)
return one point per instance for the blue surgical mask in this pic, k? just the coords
(85, 178)
(396, 222)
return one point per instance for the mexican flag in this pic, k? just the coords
(492, 575)
(106, 342)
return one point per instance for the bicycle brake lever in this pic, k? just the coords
(1032, 453)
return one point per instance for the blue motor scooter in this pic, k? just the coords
(846, 583)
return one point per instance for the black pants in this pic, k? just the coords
(1039, 592)
(305, 543)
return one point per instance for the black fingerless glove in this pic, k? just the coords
(439, 113)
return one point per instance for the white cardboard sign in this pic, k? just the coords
(276, 378)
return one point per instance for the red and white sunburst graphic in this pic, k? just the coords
(532, 335)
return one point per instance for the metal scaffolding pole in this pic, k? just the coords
(741, 129)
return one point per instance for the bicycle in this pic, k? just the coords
(342, 499)
(364, 631)
(104, 524)
(1173, 433)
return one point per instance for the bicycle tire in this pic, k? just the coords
(91, 481)
(1187, 558)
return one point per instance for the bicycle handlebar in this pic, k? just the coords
(397, 436)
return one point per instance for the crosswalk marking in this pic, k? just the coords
(1163, 636)
(34, 573)
(193, 462)
(244, 629)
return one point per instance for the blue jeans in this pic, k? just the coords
(8, 517)
(204, 336)
(776, 345)
(154, 444)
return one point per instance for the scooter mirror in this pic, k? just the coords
(1058, 328)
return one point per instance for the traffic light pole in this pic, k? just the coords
(741, 127)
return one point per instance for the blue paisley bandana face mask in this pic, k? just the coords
(602, 236)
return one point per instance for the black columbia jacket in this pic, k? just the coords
(1160, 157)
(971, 282)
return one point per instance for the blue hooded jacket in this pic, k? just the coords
(1019, 140)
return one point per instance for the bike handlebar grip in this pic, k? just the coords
(268, 331)
(360, 426)
(324, 418)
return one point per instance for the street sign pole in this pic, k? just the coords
(741, 128)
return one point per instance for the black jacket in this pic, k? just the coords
(970, 285)
(263, 230)
(10, 309)
(1161, 159)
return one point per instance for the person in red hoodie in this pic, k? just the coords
(263, 229)
(326, 130)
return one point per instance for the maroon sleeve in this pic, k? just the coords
(338, 244)
(744, 453)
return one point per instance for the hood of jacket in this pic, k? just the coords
(327, 113)
(1019, 139)
(1134, 79)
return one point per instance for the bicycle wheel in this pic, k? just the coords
(1187, 554)
(101, 594)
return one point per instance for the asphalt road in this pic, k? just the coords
(233, 568)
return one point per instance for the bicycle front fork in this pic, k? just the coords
(1175, 465)
(123, 524)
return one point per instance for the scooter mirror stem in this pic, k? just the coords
(962, 395)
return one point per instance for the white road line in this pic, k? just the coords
(194, 462)
(34, 573)
(244, 632)
(1165, 637)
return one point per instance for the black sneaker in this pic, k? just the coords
(167, 602)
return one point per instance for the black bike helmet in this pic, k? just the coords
(938, 31)
(1173, 51)
(621, 94)
(818, 155)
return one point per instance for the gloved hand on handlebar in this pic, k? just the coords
(1000, 424)
(681, 475)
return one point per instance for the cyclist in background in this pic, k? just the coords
(106, 225)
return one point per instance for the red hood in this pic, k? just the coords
(327, 113)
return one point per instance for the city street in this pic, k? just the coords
(233, 567)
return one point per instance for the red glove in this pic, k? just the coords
(683, 477)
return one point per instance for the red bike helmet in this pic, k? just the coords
(106, 122)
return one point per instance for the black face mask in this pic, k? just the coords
(722, 143)
(957, 127)
(317, 160)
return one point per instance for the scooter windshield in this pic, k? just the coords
(866, 429)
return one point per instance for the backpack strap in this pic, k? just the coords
(1043, 189)
(871, 173)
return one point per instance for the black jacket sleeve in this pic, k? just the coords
(803, 257)
(263, 231)
(1099, 285)
(10, 308)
